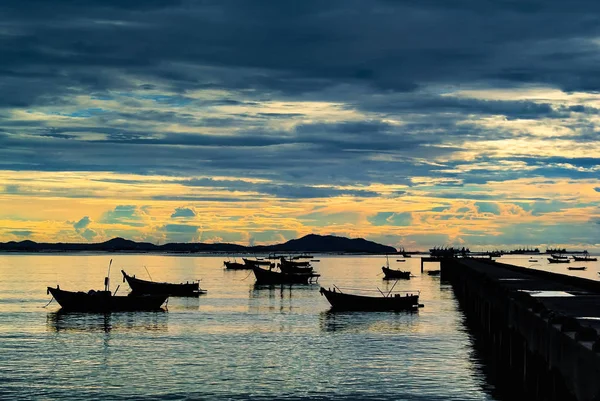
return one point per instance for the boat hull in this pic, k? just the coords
(150, 287)
(584, 259)
(104, 301)
(264, 276)
(350, 302)
(249, 263)
(236, 266)
(391, 274)
(551, 260)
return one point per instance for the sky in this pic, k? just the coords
(413, 124)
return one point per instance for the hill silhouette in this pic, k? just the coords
(308, 243)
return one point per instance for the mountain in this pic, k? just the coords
(331, 243)
(308, 243)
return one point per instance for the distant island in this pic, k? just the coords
(308, 243)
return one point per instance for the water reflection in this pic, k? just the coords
(62, 321)
(373, 322)
(183, 303)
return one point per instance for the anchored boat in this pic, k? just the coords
(105, 301)
(139, 286)
(236, 266)
(386, 302)
(264, 276)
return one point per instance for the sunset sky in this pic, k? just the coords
(413, 124)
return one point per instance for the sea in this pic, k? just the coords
(240, 340)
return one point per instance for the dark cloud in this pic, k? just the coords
(82, 228)
(183, 212)
(21, 233)
(82, 224)
(129, 215)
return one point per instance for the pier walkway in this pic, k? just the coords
(541, 329)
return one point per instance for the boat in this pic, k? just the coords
(303, 256)
(252, 262)
(105, 301)
(264, 276)
(139, 286)
(577, 268)
(586, 258)
(391, 274)
(400, 260)
(386, 302)
(532, 260)
(434, 272)
(284, 261)
(295, 268)
(554, 260)
(559, 256)
(525, 251)
(236, 266)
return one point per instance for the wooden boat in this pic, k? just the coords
(288, 268)
(351, 302)
(559, 256)
(264, 276)
(236, 266)
(105, 301)
(554, 260)
(391, 274)
(577, 268)
(586, 258)
(293, 263)
(139, 286)
(252, 262)
(533, 260)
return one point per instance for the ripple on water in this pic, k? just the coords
(239, 341)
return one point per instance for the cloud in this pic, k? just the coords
(391, 219)
(487, 207)
(82, 228)
(129, 215)
(21, 233)
(82, 224)
(181, 232)
(183, 212)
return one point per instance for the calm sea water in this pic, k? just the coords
(239, 341)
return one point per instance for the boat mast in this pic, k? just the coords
(107, 279)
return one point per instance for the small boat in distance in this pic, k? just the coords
(252, 262)
(533, 260)
(236, 266)
(341, 301)
(139, 286)
(560, 260)
(264, 276)
(400, 260)
(559, 256)
(577, 268)
(585, 258)
(391, 274)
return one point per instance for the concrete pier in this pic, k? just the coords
(539, 329)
